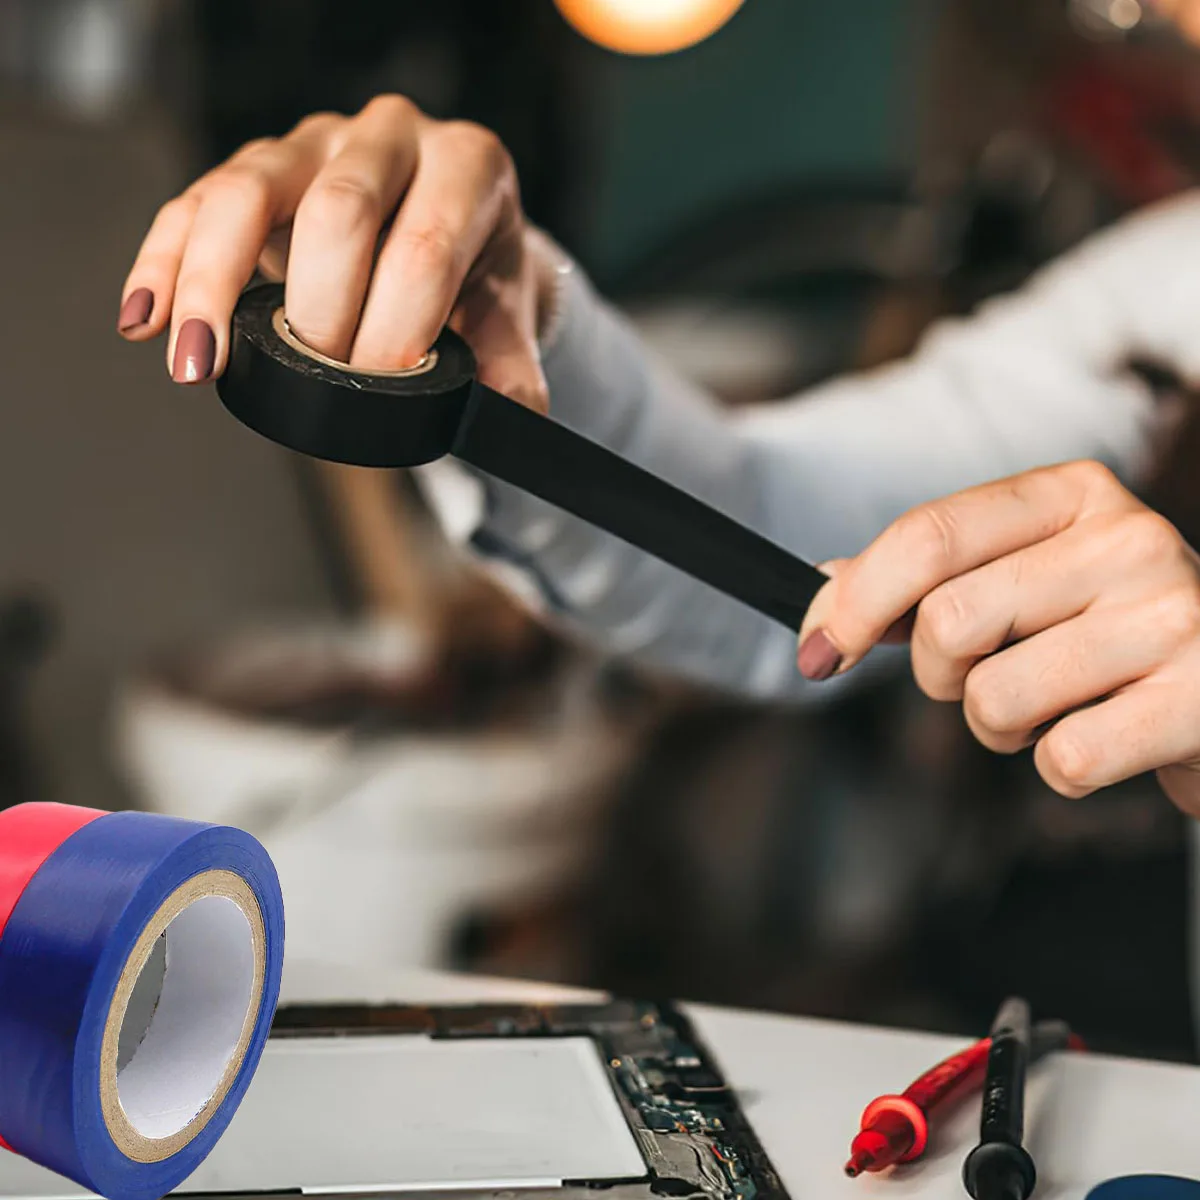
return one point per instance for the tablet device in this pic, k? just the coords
(513, 1102)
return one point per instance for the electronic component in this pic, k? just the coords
(688, 1124)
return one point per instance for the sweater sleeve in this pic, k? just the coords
(1033, 378)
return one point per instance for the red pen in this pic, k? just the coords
(895, 1129)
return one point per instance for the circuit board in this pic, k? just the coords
(688, 1124)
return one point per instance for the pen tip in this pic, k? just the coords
(860, 1162)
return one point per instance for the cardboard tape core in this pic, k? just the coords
(280, 324)
(182, 1016)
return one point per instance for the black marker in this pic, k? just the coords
(1000, 1167)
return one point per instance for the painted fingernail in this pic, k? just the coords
(819, 658)
(136, 310)
(195, 352)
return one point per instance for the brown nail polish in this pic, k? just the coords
(819, 658)
(136, 310)
(195, 352)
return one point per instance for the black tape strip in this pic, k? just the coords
(333, 413)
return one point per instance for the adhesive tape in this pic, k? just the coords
(140, 962)
(302, 399)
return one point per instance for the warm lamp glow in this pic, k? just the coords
(648, 26)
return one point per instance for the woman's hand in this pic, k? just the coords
(386, 226)
(1185, 13)
(1055, 606)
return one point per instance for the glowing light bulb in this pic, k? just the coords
(647, 26)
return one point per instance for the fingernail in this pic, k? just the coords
(819, 657)
(136, 310)
(195, 352)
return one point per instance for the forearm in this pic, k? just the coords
(606, 384)
(1034, 379)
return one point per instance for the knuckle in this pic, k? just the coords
(989, 702)
(1000, 743)
(257, 146)
(928, 536)
(1151, 536)
(481, 143)
(179, 209)
(1177, 613)
(945, 621)
(1068, 765)
(1093, 476)
(245, 186)
(431, 248)
(319, 122)
(470, 133)
(391, 106)
(934, 679)
(342, 204)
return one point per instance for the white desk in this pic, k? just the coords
(804, 1083)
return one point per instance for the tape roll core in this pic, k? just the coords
(207, 1027)
(283, 328)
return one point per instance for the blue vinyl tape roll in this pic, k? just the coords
(139, 973)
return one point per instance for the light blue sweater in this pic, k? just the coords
(1034, 378)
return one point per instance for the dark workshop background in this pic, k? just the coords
(191, 619)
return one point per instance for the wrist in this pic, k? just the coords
(551, 267)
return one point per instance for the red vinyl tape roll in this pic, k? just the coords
(29, 834)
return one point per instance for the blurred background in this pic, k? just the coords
(194, 621)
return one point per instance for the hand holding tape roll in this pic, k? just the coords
(140, 964)
(301, 399)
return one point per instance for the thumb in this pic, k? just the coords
(819, 655)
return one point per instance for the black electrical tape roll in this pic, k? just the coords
(292, 395)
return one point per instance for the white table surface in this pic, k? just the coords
(804, 1083)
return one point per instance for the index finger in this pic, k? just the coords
(939, 541)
